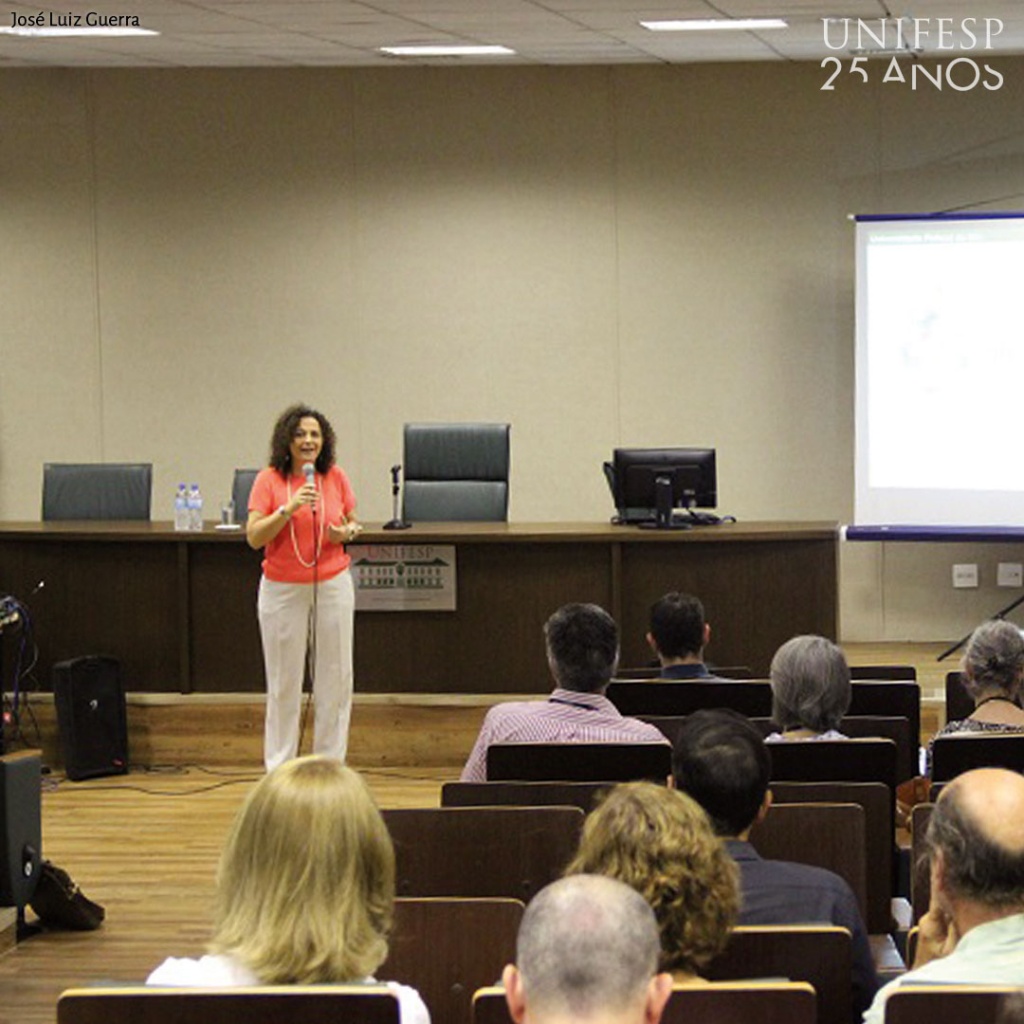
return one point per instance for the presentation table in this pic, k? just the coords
(178, 610)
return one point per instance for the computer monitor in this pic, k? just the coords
(649, 483)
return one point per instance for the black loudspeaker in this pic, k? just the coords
(91, 716)
(21, 829)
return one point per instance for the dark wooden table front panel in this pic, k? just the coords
(179, 610)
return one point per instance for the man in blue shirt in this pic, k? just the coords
(721, 761)
(678, 634)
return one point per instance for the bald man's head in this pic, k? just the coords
(977, 828)
(587, 950)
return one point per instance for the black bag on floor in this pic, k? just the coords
(59, 903)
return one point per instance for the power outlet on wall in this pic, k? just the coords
(965, 575)
(1010, 574)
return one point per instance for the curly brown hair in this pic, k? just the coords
(284, 430)
(659, 841)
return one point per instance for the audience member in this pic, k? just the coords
(583, 652)
(973, 932)
(992, 670)
(305, 888)
(722, 762)
(678, 635)
(810, 690)
(587, 951)
(659, 842)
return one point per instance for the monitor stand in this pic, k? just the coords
(663, 519)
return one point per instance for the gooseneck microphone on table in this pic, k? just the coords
(397, 522)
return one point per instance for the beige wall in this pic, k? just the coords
(635, 255)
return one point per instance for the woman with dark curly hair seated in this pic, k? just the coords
(659, 842)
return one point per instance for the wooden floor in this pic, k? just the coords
(145, 845)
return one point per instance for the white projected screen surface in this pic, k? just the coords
(940, 360)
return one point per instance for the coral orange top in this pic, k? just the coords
(301, 553)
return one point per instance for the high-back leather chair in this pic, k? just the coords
(241, 485)
(100, 490)
(455, 472)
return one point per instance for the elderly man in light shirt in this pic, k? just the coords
(973, 932)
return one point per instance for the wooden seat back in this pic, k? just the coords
(959, 752)
(578, 762)
(821, 955)
(879, 846)
(920, 873)
(954, 1004)
(723, 1002)
(523, 794)
(959, 703)
(448, 948)
(481, 851)
(749, 697)
(883, 673)
(827, 836)
(297, 1004)
(896, 698)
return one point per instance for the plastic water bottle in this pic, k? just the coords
(195, 508)
(181, 516)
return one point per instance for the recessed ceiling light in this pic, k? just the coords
(447, 51)
(58, 33)
(715, 25)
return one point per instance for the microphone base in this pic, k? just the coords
(396, 524)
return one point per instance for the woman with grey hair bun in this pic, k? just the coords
(992, 669)
(810, 690)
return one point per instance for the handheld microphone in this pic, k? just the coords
(309, 471)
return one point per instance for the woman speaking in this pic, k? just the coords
(301, 512)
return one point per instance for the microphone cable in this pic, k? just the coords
(309, 471)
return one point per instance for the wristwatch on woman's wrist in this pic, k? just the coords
(283, 511)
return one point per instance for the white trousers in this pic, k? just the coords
(286, 614)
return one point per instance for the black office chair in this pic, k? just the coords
(241, 486)
(456, 472)
(100, 490)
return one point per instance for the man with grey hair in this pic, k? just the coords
(587, 951)
(582, 643)
(973, 933)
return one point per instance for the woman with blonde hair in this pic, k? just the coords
(305, 888)
(659, 842)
